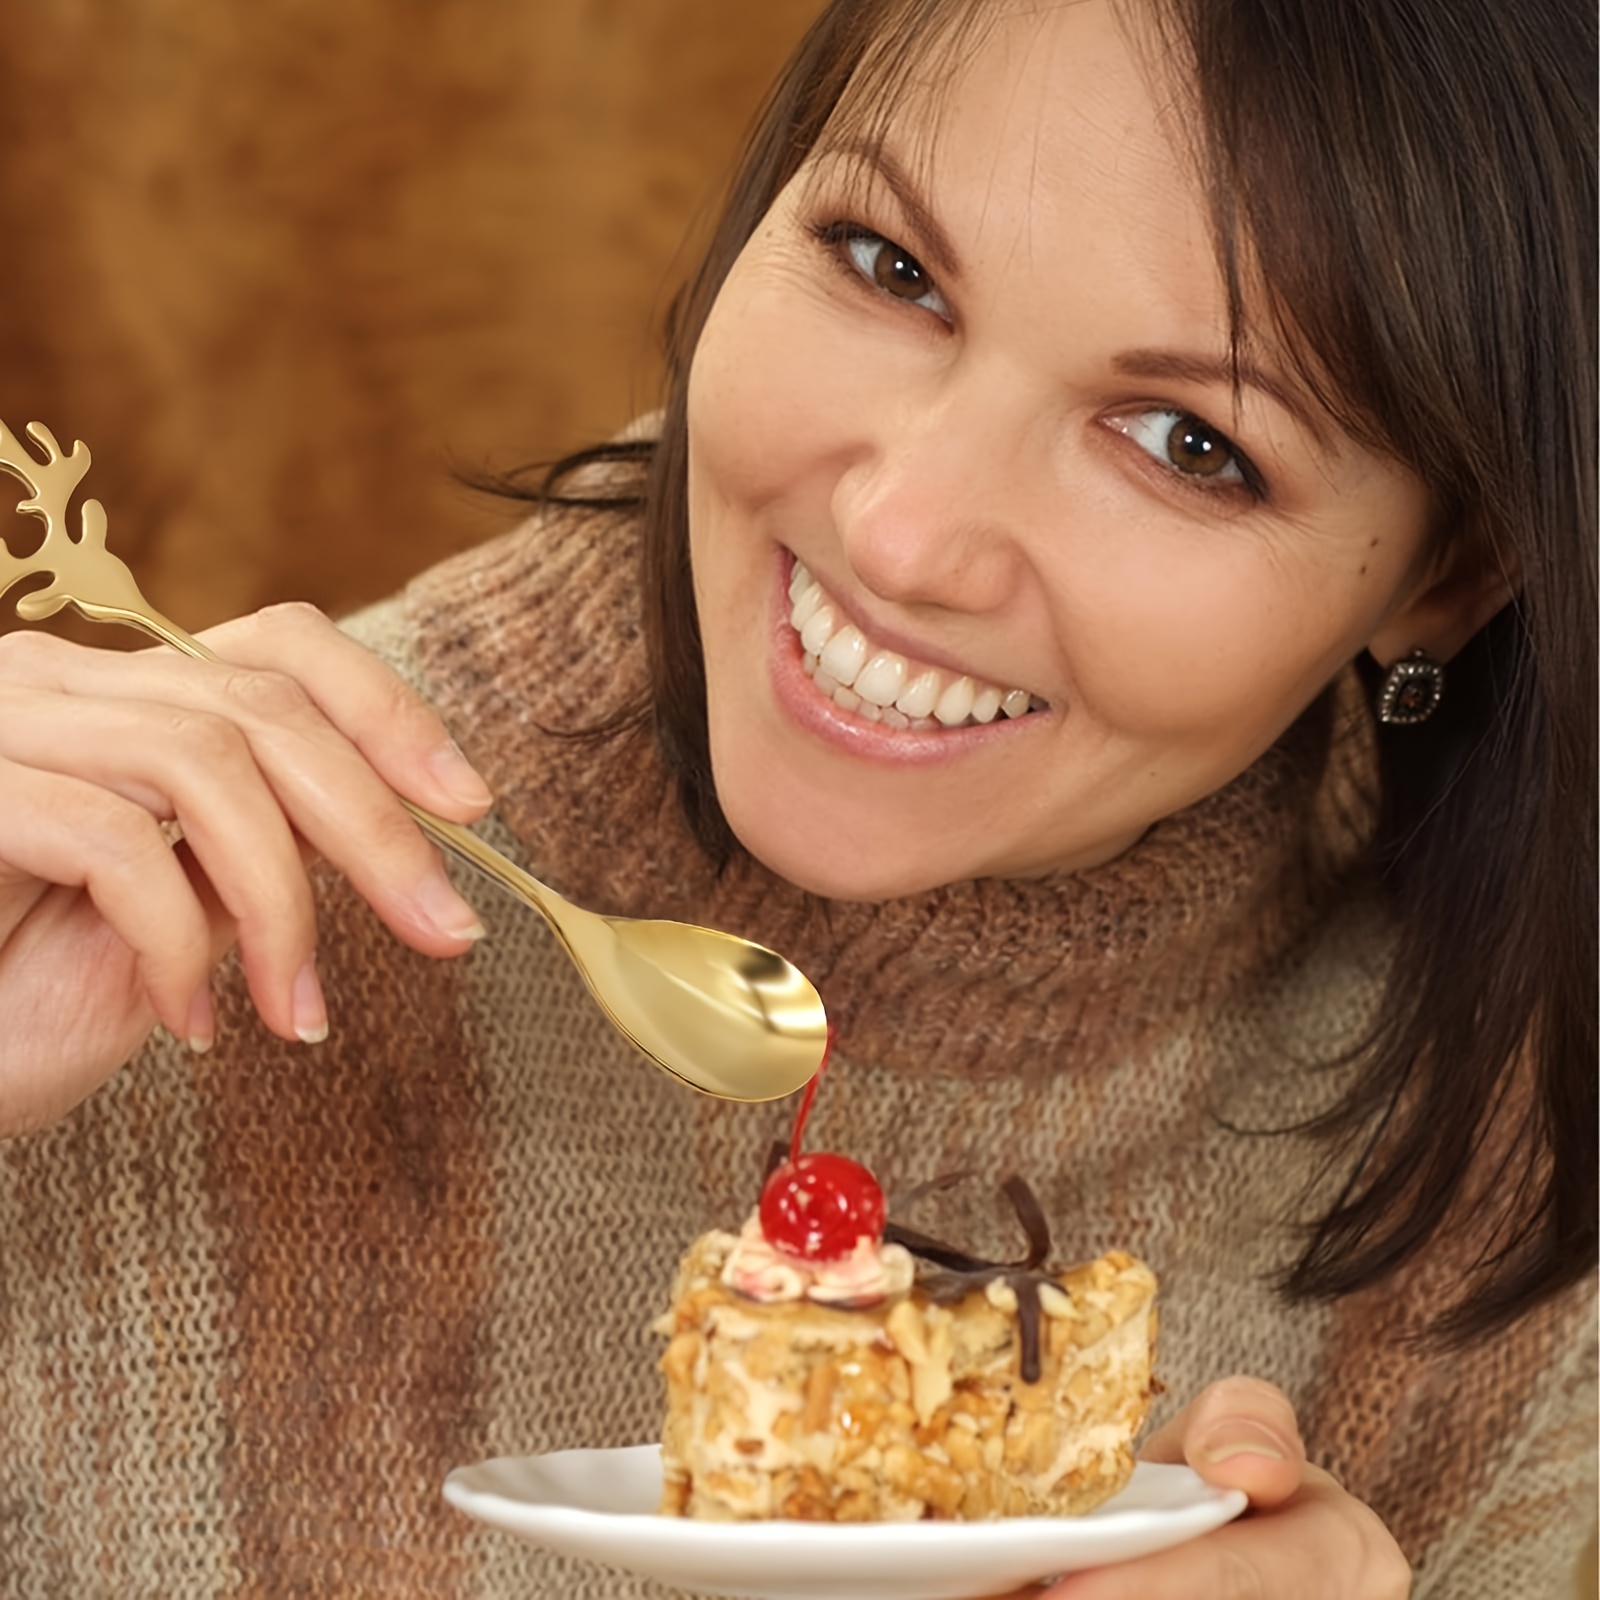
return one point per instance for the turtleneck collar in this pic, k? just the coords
(530, 639)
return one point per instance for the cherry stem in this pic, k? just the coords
(810, 1095)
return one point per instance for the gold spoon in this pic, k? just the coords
(726, 1016)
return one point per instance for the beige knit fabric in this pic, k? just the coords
(254, 1306)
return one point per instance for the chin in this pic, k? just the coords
(843, 857)
(837, 862)
(845, 880)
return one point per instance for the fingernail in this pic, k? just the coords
(447, 911)
(201, 1032)
(1240, 1437)
(309, 1009)
(456, 773)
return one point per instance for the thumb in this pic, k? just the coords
(1237, 1433)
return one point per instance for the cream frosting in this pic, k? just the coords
(872, 1272)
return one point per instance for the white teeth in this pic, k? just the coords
(844, 654)
(918, 697)
(955, 704)
(986, 704)
(882, 685)
(883, 677)
(805, 605)
(819, 629)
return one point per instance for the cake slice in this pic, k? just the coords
(939, 1388)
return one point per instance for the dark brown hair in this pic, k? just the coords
(1413, 183)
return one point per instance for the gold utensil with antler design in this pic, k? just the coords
(726, 1016)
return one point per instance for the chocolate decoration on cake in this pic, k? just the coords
(956, 1272)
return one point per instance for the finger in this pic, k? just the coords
(1322, 1545)
(324, 784)
(55, 1050)
(77, 835)
(383, 716)
(1237, 1433)
(349, 814)
(198, 770)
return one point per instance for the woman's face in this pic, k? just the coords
(976, 389)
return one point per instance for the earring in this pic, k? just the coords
(1411, 690)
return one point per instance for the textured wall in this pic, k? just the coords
(284, 266)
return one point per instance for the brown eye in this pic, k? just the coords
(1187, 447)
(899, 273)
(1197, 450)
(882, 263)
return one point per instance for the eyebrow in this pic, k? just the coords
(933, 243)
(1242, 372)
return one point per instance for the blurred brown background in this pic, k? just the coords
(285, 267)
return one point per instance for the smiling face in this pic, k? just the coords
(968, 398)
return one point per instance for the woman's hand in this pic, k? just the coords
(1303, 1536)
(294, 748)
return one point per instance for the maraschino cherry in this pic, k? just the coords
(819, 1207)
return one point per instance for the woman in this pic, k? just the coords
(1070, 397)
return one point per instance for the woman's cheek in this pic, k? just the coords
(1169, 645)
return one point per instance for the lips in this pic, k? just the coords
(881, 684)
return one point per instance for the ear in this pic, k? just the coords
(1465, 584)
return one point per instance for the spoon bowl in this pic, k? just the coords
(725, 1015)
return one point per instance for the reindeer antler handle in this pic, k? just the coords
(82, 572)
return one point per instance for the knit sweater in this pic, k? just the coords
(254, 1305)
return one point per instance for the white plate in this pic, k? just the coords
(601, 1505)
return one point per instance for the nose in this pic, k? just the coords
(930, 511)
